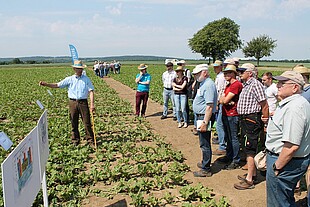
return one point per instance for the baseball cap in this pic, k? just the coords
(246, 67)
(291, 75)
(169, 64)
(200, 68)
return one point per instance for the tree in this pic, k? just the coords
(218, 39)
(17, 61)
(259, 47)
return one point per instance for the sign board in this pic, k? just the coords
(21, 177)
(43, 141)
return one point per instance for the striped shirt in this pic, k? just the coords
(251, 95)
(168, 77)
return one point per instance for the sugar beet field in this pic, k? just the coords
(131, 161)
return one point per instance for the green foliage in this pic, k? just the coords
(258, 47)
(218, 39)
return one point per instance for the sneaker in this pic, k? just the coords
(185, 125)
(202, 173)
(219, 152)
(244, 185)
(174, 118)
(224, 160)
(199, 165)
(163, 117)
(243, 177)
(232, 166)
(180, 125)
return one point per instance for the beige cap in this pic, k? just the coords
(291, 75)
(200, 68)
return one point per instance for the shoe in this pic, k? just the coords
(143, 115)
(163, 117)
(224, 160)
(180, 125)
(244, 185)
(195, 132)
(232, 166)
(219, 152)
(199, 165)
(174, 118)
(245, 167)
(243, 177)
(202, 173)
(185, 125)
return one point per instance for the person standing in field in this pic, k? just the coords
(204, 106)
(287, 141)
(79, 87)
(271, 91)
(168, 92)
(143, 80)
(180, 92)
(229, 101)
(253, 109)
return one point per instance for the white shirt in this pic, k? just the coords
(220, 84)
(271, 93)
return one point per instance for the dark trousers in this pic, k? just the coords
(141, 97)
(76, 109)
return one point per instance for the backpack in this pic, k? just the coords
(189, 84)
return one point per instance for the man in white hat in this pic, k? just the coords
(143, 80)
(79, 87)
(287, 141)
(204, 106)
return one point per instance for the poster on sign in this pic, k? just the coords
(43, 141)
(21, 173)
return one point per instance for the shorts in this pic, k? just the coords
(251, 127)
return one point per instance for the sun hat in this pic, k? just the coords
(179, 68)
(217, 63)
(230, 68)
(291, 75)
(200, 68)
(181, 62)
(78, 64)
(169, 64)
(142, 66)
(229, 61)
(246, 67)
(302, 70)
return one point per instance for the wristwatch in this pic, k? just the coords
(275, 169)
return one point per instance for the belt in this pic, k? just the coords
(168, 88)
(243, 115)
(72, 99)
(277, 154)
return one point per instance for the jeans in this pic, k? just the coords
(205, 146)
(106, 71)
(220, 129)
(180, 105)
(168, 94)
(280, 189)
(230, 124)
(141, 97)
(76, 109)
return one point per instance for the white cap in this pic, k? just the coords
(200, 68)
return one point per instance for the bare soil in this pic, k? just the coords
(182, 139)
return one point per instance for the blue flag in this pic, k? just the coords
(74, 54)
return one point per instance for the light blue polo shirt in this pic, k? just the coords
(206, 94)
(78, 87)
(290, 123)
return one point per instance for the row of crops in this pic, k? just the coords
(130, 161)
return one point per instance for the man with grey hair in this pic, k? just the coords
(252, 108)
(204, 106)
(287, 141)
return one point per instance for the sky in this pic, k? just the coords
(101, 28)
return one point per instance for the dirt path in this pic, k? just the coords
(182, 139)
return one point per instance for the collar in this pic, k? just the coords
(251, 80)
(288, 99)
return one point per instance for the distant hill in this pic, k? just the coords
(65, 59)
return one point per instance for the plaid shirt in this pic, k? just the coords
(250, 97)
(168, 77)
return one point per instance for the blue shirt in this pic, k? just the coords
(206, 94)
(143, 87)
(306, 93)
(78, 87)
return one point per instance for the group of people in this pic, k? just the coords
(250, 112)
(246, 102)
(102, 68)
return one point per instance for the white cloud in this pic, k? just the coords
(114, 10)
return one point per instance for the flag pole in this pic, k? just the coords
(93, 127)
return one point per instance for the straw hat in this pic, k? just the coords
(302, 70)
(142, 66)
(179, 68)
(230, 68)
(78, 64)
